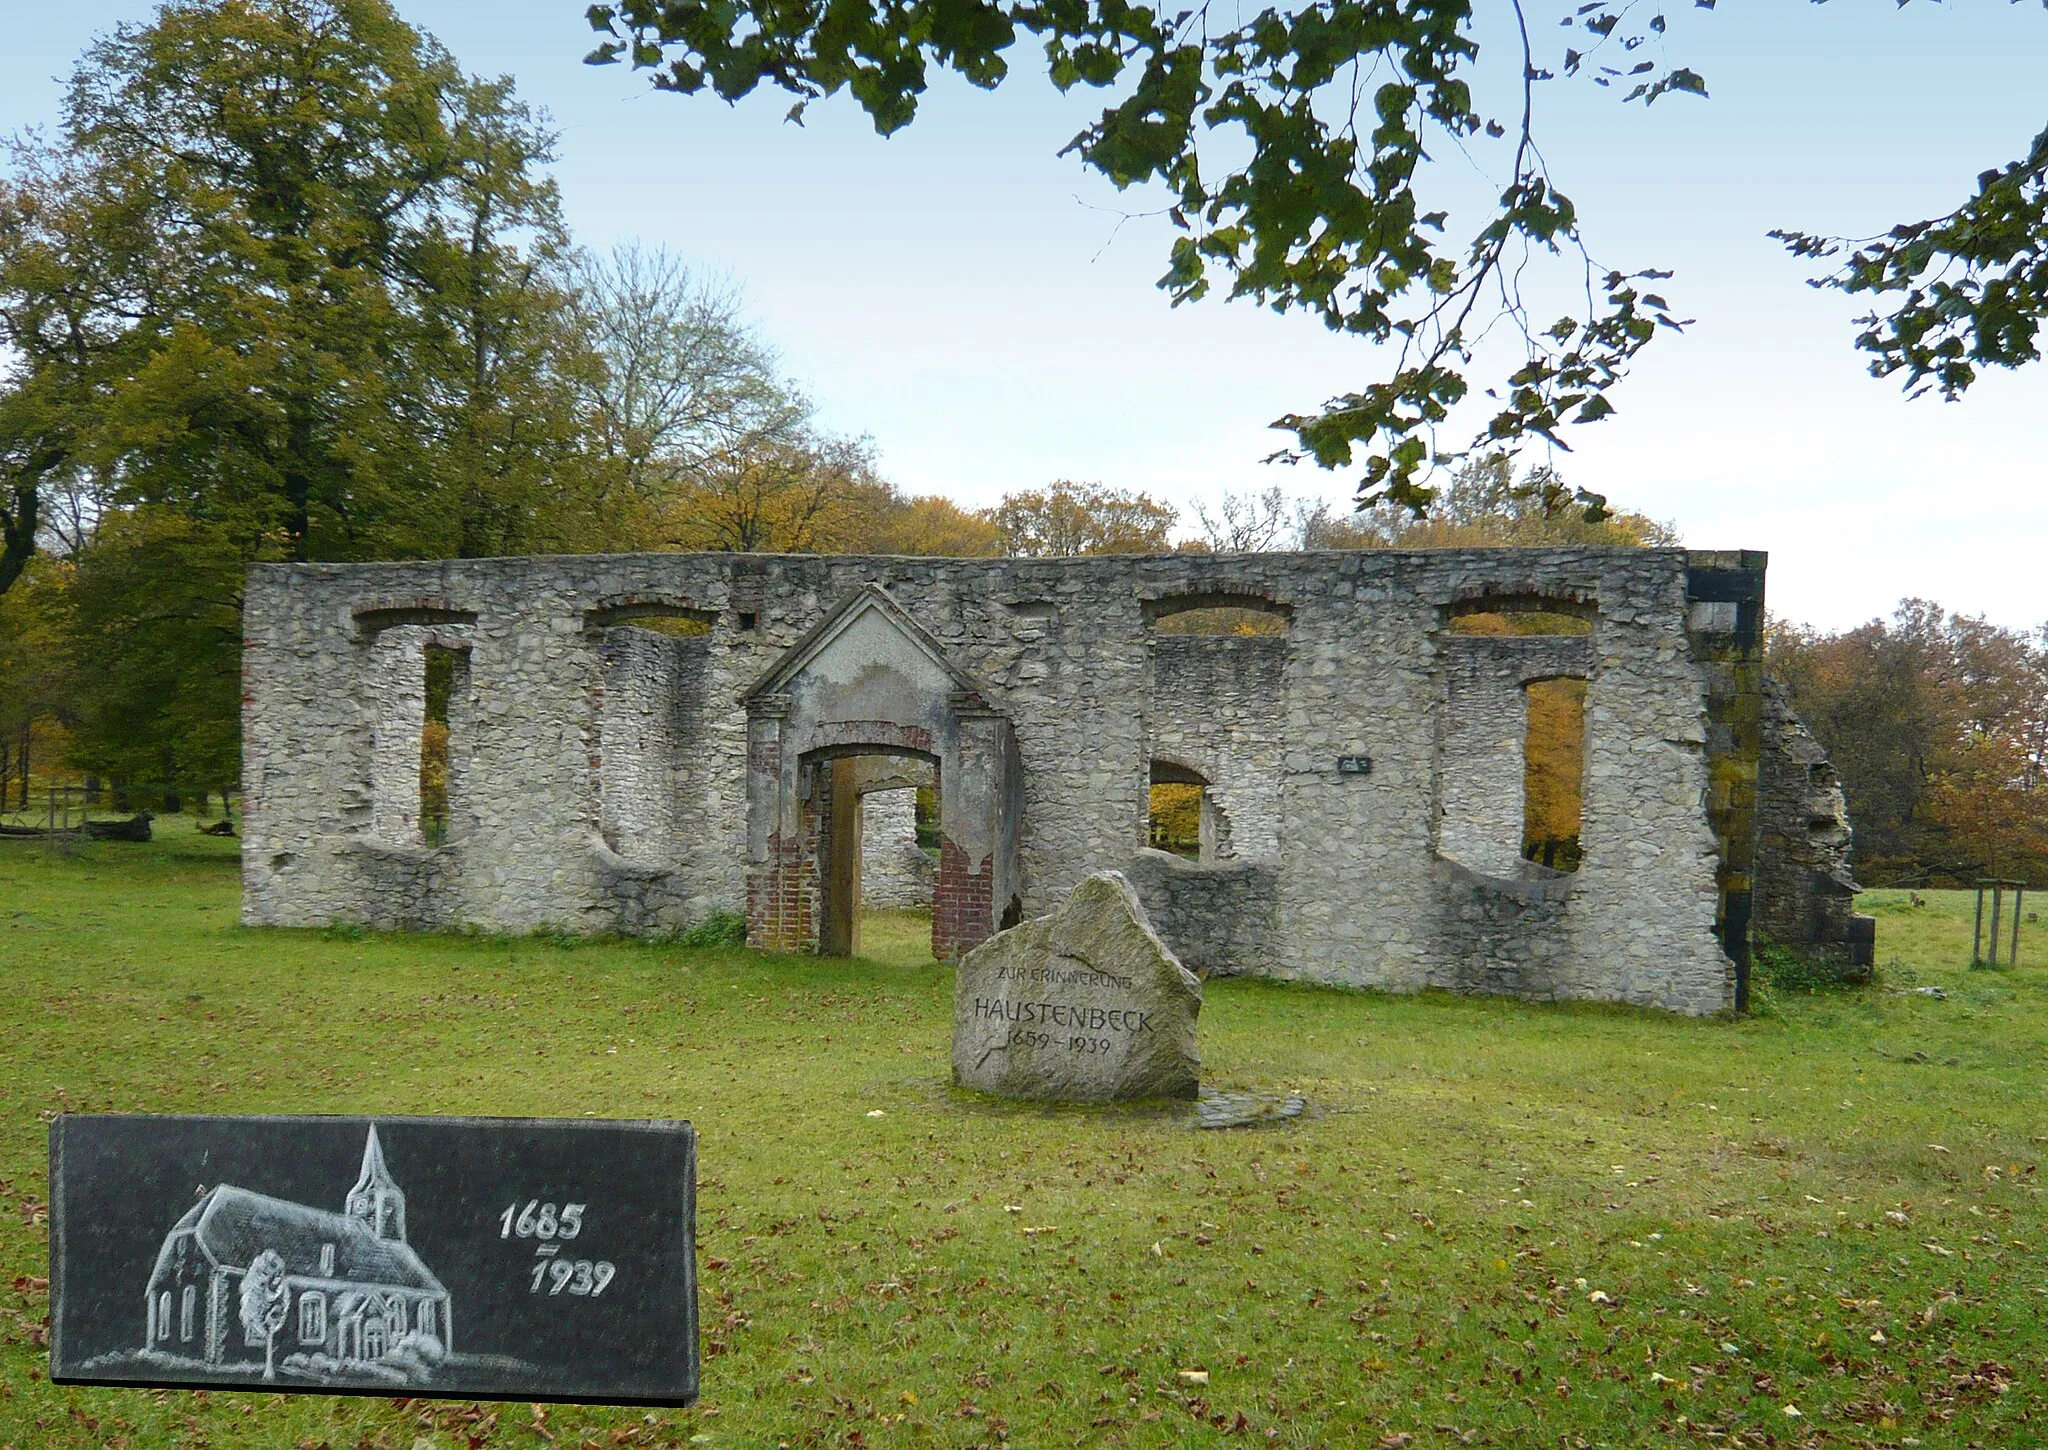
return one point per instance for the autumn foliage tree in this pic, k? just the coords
(1066, 519)
(1938, 725)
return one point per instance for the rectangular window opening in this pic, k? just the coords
(312, 1318)
(1174, 818)
(434, 742)
(1554, 767)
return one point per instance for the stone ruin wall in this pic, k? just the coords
(895, 873)
(1805, 894)
(600, 772)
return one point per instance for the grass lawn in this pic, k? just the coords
(1502, 1224)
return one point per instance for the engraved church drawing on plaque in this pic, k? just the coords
(312, 1293)
(473, 1258)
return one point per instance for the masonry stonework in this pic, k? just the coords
(1363, 765)
(1804, 892)
(895, 873)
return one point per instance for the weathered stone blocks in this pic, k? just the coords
(607, 778)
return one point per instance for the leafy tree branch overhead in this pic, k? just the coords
(1327, 114)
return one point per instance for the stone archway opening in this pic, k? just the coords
(869, 681)
(866, 866)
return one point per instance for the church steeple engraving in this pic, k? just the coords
(377, 1199)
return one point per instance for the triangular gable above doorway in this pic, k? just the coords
(859, 615)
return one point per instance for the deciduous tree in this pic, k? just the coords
(288, 270)
(807, 495)
(685, 381)
(1069, 518)
(287, 284)
(266, 1299)
(1292, 144)
(1936, 724)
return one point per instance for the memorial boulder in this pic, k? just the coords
(1086, 1005)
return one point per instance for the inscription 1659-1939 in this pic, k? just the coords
(525, 1258)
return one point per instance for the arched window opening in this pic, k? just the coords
(1505, 616)
(1226, 614)
(1554, 768)
(420, 745)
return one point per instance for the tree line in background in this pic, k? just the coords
(289, 285)
(1937, 725)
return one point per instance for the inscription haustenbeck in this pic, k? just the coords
(460, 1284)
(1061, 1014)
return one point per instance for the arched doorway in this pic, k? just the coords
(842, 780)
(870, 683)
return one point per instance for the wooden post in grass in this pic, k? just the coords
(1997, 887)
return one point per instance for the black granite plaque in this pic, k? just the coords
(514, 1258)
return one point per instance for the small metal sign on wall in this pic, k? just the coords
(533, 1259)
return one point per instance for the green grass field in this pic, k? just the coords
(1503, 1223)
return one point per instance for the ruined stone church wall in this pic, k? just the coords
(1805, 890)
(895, 873)
(566, 727)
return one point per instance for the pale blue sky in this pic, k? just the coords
(972, 302)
